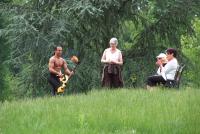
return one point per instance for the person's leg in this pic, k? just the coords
(170, 83)
(116, 83)
(112, 81)
(106, 80)
(55, 83)
(117, 78)
(154, 80)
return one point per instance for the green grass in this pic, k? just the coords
(104, 112)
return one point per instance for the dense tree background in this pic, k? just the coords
(83, 27)
(4, 55)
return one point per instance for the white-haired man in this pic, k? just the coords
(112, 58)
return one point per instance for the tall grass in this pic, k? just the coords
(107, 111)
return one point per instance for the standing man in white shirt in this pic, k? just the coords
(112, 59)
(167, 72)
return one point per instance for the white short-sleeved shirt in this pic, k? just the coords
(110, 56)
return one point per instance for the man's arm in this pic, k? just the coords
(67, 71)
(103, 58)
(120, 59)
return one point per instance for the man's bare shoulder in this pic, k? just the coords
(64, 61)
(62, 58)
(52, 59)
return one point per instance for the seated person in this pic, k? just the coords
(161, 58)
(165, 72)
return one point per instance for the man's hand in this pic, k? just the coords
(113, 62)
(60, 75)
(71, 73)
(159, 62)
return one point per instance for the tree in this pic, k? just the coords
(85, 26)
(4, 54)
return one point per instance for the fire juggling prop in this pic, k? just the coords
(65, 78)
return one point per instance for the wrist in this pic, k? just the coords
(69, 73)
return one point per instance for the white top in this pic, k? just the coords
(112, 56)
(169, 70)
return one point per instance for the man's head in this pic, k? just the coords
(171, 53)
(113, 43)
(58, 51)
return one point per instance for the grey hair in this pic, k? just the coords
(114, 40)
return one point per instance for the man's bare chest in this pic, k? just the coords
(58, 63)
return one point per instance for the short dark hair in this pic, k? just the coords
(55, 48)
(171, 51)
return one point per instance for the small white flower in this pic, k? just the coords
(133, 131)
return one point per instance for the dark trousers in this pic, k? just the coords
(155, 80)
(55, 83)
(112, 80)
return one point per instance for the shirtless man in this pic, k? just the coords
(56, 62)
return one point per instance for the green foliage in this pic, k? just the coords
(169, 20)
(4, 51)
(191, 49)
(106, 111)
(144, 29)
(85, 26)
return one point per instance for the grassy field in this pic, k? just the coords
(104, 112)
